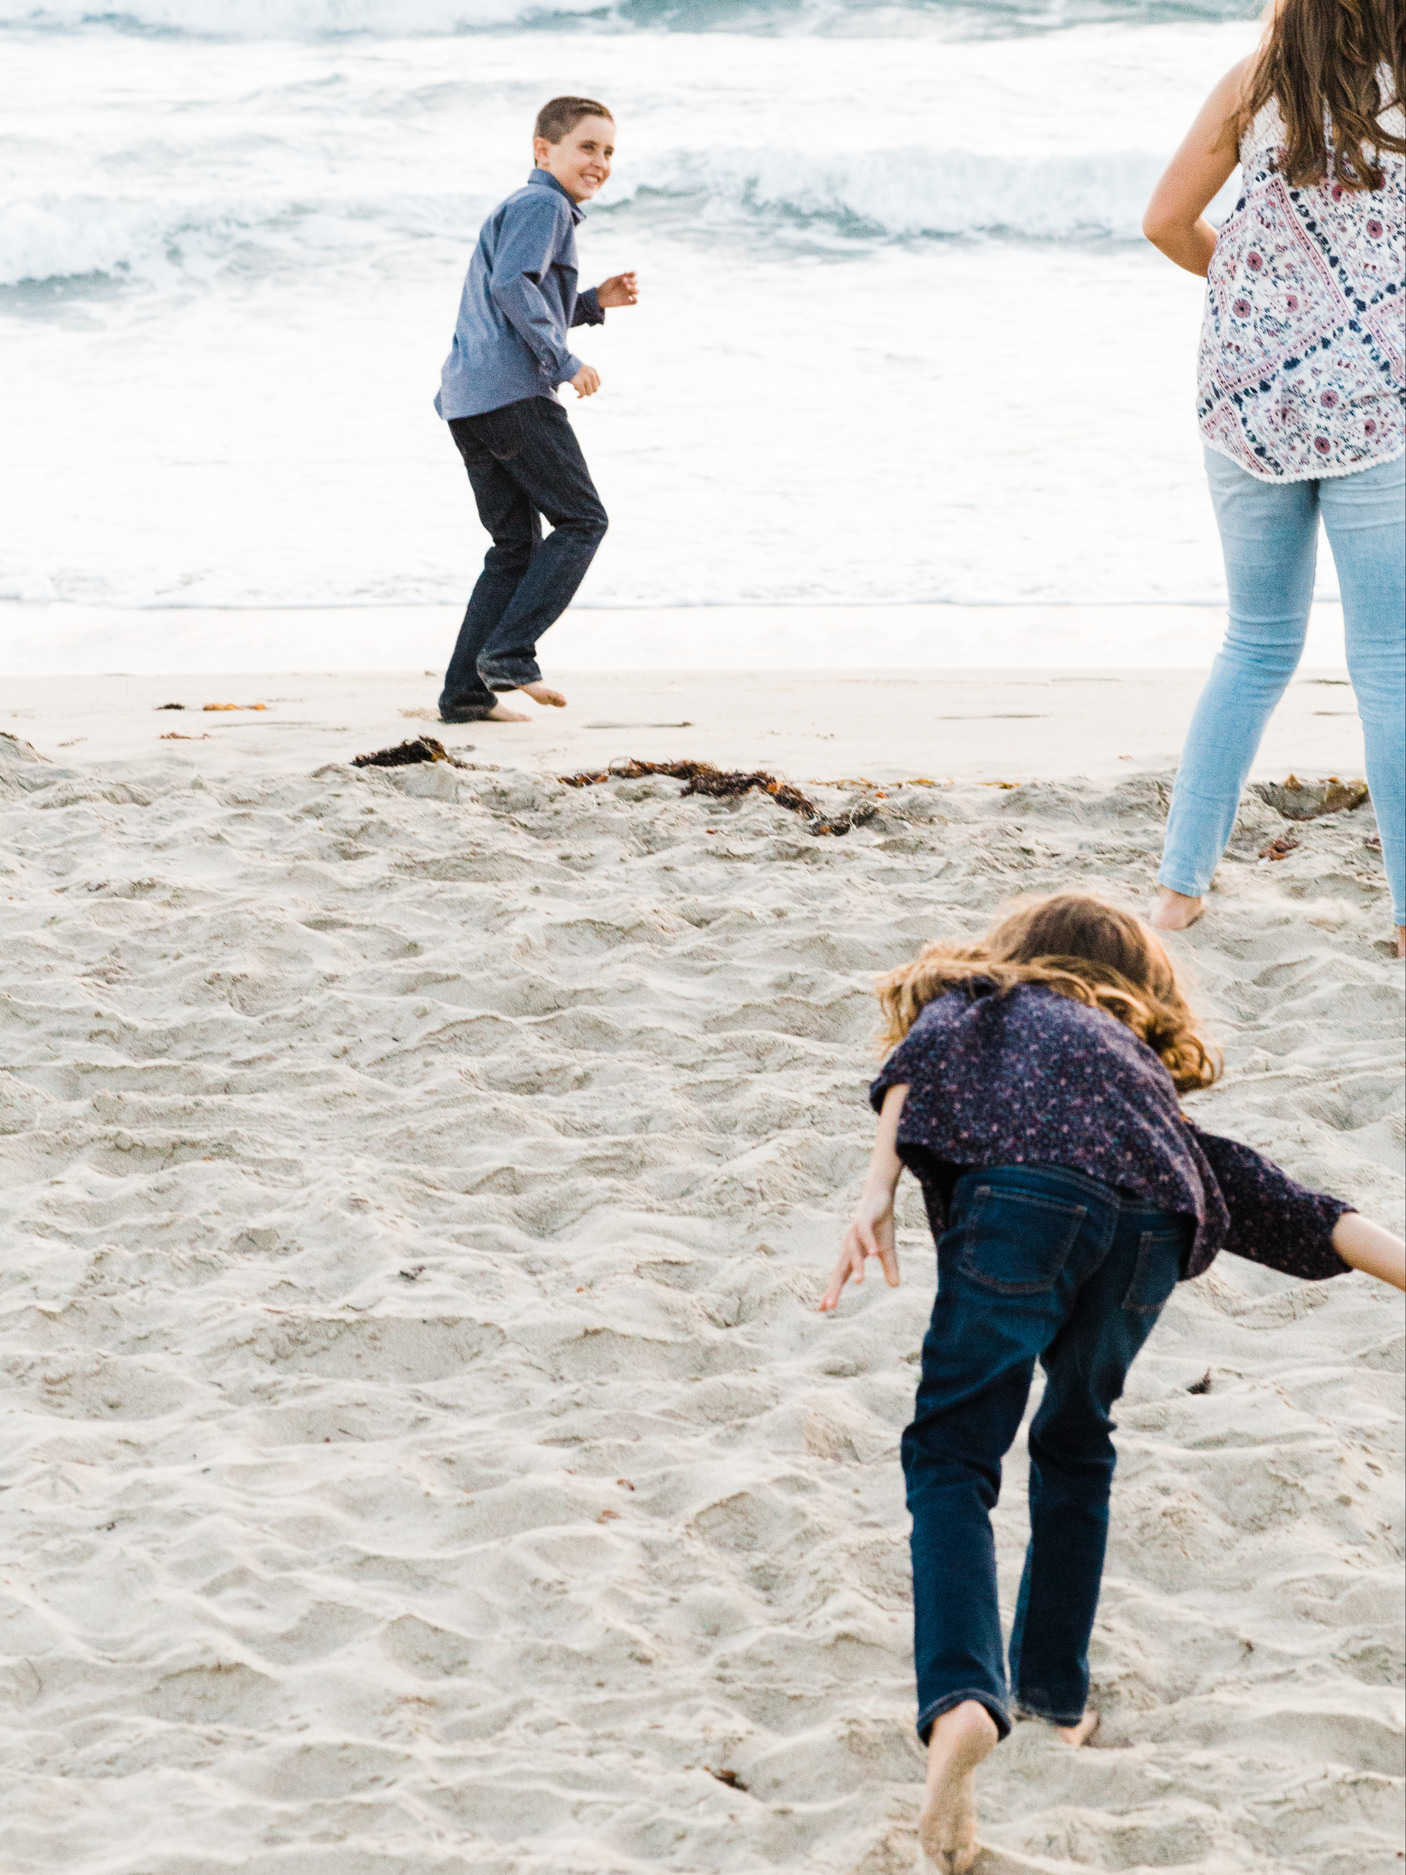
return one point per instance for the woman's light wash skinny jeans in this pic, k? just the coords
(1269, 534)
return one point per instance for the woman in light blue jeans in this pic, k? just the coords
(1300, 397)
(1269, 532)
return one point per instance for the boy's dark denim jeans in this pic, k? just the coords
(1036, 1263)
(524, 463)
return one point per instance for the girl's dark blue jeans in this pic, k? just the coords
(1036, 1263)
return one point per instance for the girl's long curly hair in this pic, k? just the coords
(1079, 947)
(1322, 61)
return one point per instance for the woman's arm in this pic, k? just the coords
(871, 1231)
(1175, 220)
(1369, 1248)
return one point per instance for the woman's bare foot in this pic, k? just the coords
(1081, 1733)
(501, 714)
(1174, 911)
(958, 1742)
(542, 693)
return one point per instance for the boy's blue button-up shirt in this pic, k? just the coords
(518, 304)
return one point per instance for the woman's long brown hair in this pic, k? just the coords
(1321, 61)
(1079, 947)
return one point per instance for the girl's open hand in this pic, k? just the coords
(870, 1235)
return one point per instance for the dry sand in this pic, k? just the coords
(423, 1455)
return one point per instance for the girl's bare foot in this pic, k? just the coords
(542, 693)
(958, 1742)
(1081, 1733)
(1174, 911)
(500, 714)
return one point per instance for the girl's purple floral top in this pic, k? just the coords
(1029, 1077)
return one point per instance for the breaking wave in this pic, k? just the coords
(899, 194)
(875, 195)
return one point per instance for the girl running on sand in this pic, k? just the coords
(1301, 393)
(1034, 1093)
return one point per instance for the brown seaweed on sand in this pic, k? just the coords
(404, 754)
(726, 784)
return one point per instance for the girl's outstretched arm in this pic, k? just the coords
(1175, 220)
(871, 1230)
(1369, 1248)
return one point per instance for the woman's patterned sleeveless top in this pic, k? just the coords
(1301, 370)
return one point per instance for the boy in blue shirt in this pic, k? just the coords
(498, 393)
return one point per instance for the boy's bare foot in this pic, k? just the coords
(958, 1742)
(1081, 1733)
(501, 714)
(1174, 911)
(542, 693)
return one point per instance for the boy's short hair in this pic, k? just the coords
(561, 116)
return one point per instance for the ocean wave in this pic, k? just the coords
(873, 195)
(312, 19)
(56, 239)
(909, 193)
(282, 19)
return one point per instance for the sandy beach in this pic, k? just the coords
(424, 1455)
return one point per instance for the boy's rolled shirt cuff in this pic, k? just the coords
(589, 311)
(564, 370)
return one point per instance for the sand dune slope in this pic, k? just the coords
(422, 1453)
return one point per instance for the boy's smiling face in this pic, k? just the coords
(581, 161)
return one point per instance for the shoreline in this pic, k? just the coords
(62, 639)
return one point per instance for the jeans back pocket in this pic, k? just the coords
(1156, 1271)
(1017, 1242)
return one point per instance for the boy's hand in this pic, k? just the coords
(869, 1235)
(619, 290)
(586, 382)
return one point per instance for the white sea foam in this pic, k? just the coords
(260, 19)
(265, 19)
(916, 191)
(67, 238)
